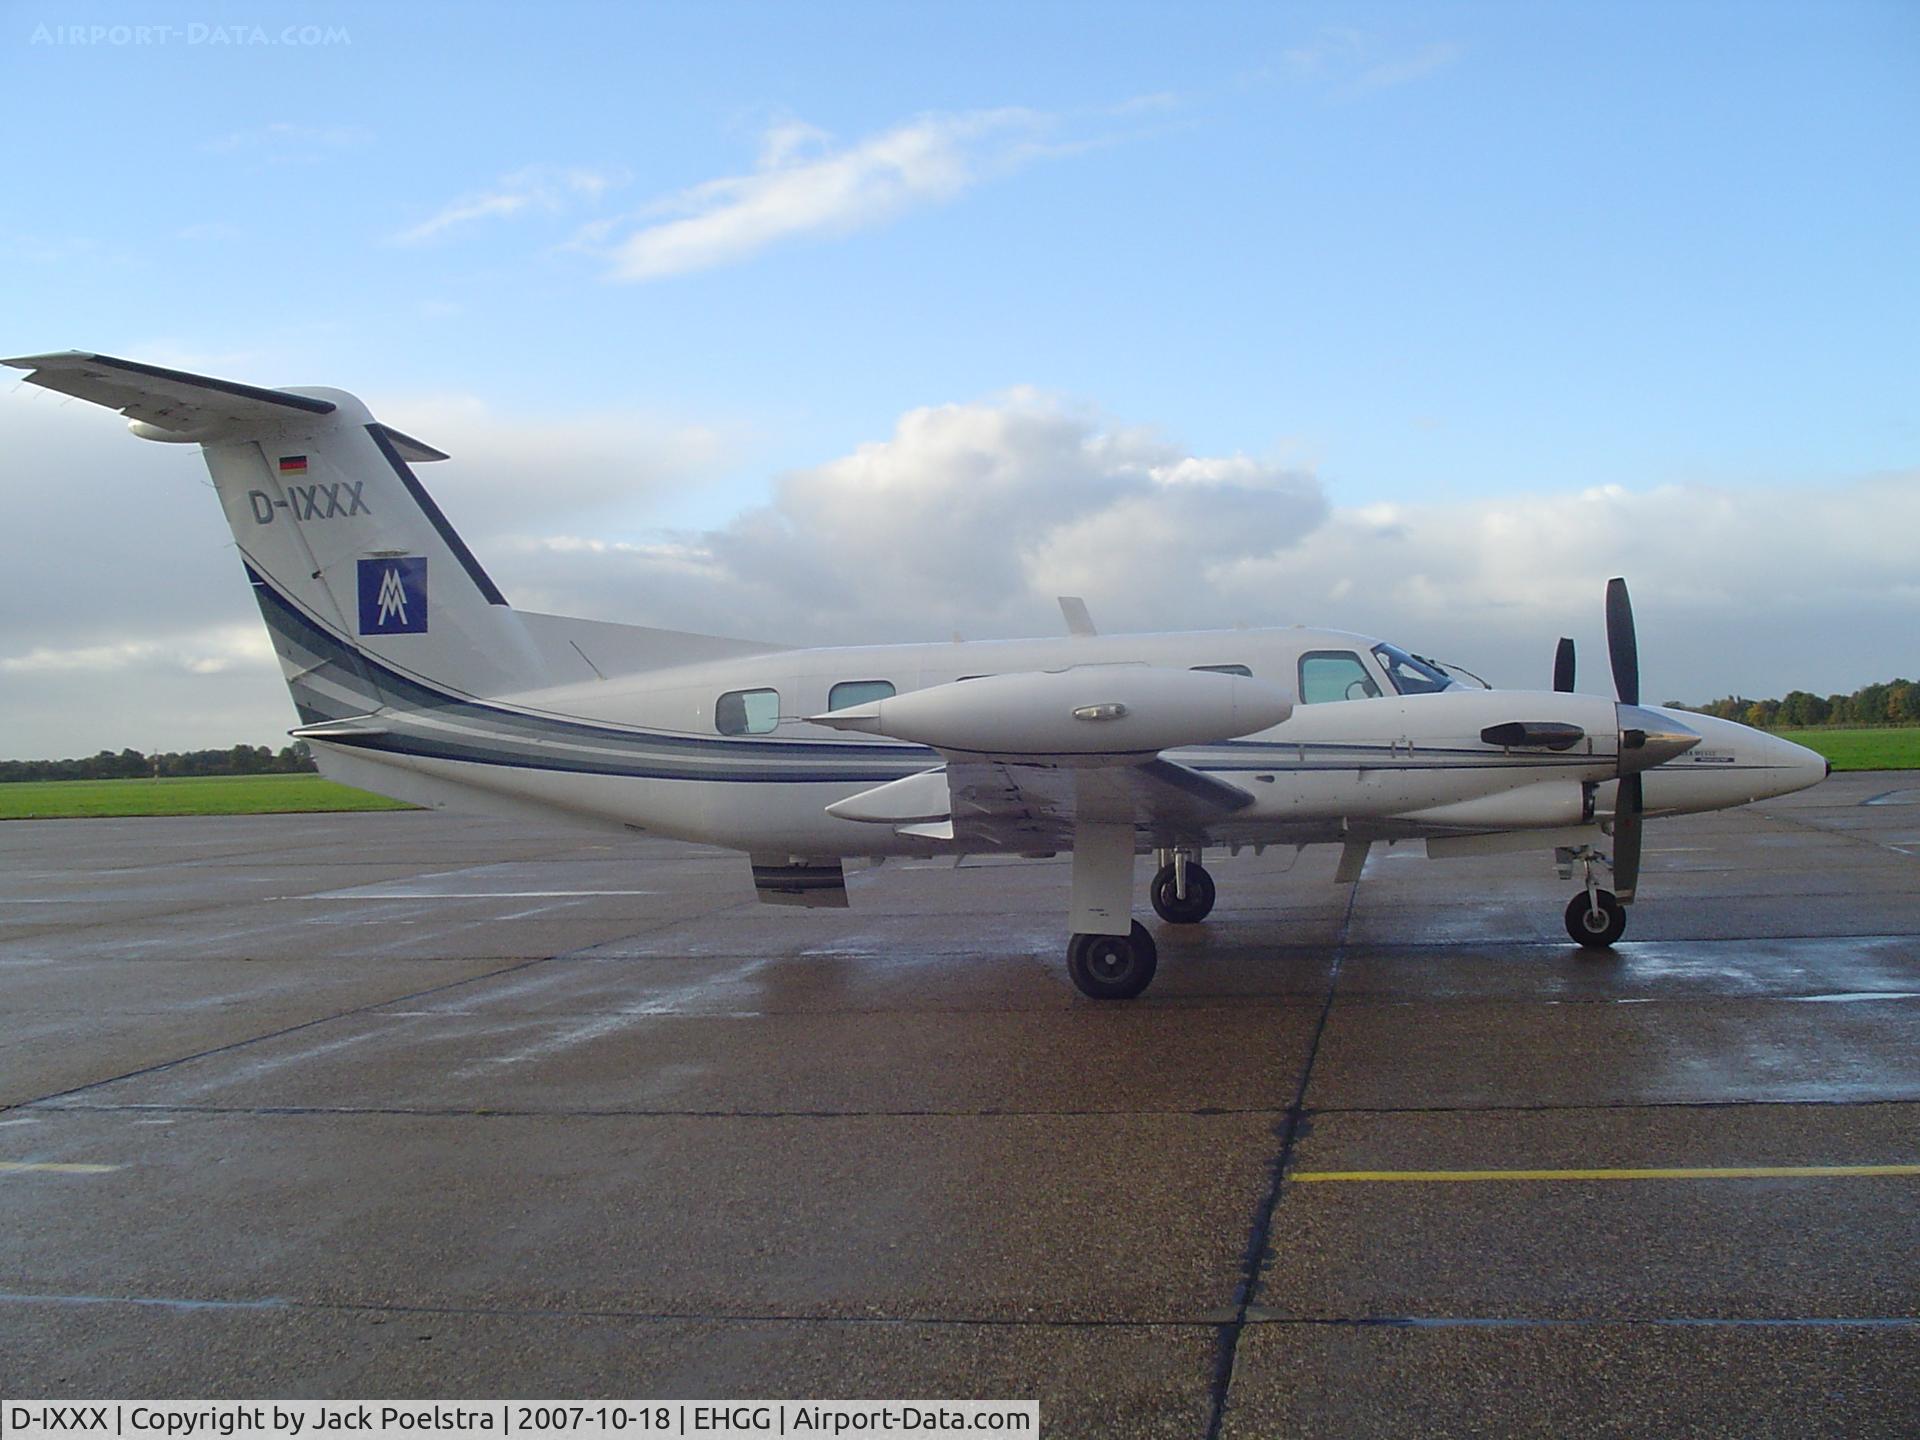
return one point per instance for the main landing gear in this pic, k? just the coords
(1182, 891)
(1595, 917)
(1113, 967)
(1119, 967)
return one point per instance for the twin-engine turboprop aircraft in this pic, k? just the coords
(414, 678)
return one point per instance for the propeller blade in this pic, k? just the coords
(1626, 839)
(1563, 665)
(1623, 650)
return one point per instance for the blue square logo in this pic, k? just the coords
(393, 596)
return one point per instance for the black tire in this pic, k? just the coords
(1175, 911)
(1596, 930)
(1113, 967)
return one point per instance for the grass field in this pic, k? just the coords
(190, 795)
(1883, 749)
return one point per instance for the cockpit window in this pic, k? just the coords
(1409, 673)
(1334, 675)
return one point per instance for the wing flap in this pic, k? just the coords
(1005, 805)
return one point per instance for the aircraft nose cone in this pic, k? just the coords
(1797, 766)
(1651, 737)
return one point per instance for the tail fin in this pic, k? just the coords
(373, 599)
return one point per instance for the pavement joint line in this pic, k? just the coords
(285, 1030)
(270, 1035)
(1102, 1322)
(592, 1312)
(1259, 1238)
(1675, 1172)
(54, 1167)
(226, 901)
(483, 1112)
(1788, 819)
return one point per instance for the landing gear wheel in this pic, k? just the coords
(1113, 967)
(1170, 907)
(1596, 928)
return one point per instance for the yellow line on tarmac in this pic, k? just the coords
(16, 1167)
(1704, 1172)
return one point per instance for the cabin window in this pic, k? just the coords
(858, 692)
(1334, 675)
(747, 712)
(1226, 670)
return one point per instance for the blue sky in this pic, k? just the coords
(1430, 255)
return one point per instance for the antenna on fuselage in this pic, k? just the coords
(1079, 621)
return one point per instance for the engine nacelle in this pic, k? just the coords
(1087, 710)
(1545, 804)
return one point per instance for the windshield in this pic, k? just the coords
(1410, 674)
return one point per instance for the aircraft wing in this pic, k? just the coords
(998, 804)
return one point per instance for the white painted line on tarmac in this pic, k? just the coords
(1854, 997)
(370, 894)
(49, 1167)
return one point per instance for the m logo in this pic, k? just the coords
(393, 596)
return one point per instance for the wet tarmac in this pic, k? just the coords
(410, 1105)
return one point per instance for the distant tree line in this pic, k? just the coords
(132, 765)
(1895, 702)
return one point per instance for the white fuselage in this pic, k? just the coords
(1388, 766)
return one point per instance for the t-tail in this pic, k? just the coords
(374, 602)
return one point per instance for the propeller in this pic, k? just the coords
(1623, 651)
(1563, 665)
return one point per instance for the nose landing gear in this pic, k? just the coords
(1596, 920)
(1595, 917)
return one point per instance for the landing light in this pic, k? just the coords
(1113, 711)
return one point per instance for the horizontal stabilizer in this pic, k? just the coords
(414, 452)
(169, 400)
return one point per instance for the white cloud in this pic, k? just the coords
(598, 466)
(1355, 60)
(209, 651)
(973, 517)
(968, 516)
(124, 615)
(209, 231)
(1426, 61)
(803, 185)
(535, 189)
(282, 141)
(124, 619)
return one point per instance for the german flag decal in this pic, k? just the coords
(293, 464)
